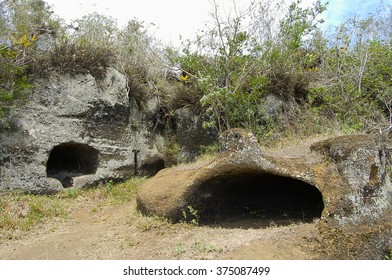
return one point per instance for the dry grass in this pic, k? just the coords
(298, 148)
(74, 57)
(103, 223)
(20, 212)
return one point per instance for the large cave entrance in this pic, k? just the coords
(69, 160)
(255, 200)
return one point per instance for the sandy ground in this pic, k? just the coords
(120, 232)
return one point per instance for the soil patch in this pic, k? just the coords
(120, 232)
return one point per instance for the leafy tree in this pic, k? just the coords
(135, 60)
(354, 80)
(27, 18)
(96, 28)
(21, 22)
(237, 61)
(13, 80)
(221, 64)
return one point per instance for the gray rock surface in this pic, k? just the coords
(190, 134)
(76, 110)
(361, 160)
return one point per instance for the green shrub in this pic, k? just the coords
(14, 84)
(338, 78)
(22, 22)
(209, 149)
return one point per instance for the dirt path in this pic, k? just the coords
(120, 232)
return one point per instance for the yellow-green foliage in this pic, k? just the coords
(121, 192)
(21, 23)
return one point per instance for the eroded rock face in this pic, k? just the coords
(76, 114)
(343, 184)
(190, 134)
(361, 161)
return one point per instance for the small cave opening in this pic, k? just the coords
(69, 160)
(256, 200)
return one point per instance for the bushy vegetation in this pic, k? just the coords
(21, 23)
(323, 79)
(274, 69)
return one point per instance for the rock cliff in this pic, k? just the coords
(75, 131)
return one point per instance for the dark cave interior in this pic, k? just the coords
(256, 200)
(68, 160)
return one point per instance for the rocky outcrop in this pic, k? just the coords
(361, 161)
(190, 134)
(76, 131)
(343, 183)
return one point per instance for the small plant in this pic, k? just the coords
(205, 247)
(75, 56)
(179, 250)
(150, 223)
(191, 215)
(134, 124)
(109, 186)
(255, 212)
(172, 150)
(127, 243)
(208, 152)
(72, 193)
(388, 256)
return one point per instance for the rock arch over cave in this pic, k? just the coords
(254, 200)
(69, 160)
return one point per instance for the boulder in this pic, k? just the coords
(342, 183)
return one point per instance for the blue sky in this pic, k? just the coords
(339, 11)
(169, 16)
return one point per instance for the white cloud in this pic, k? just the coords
(178, 17)
(171, 17)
